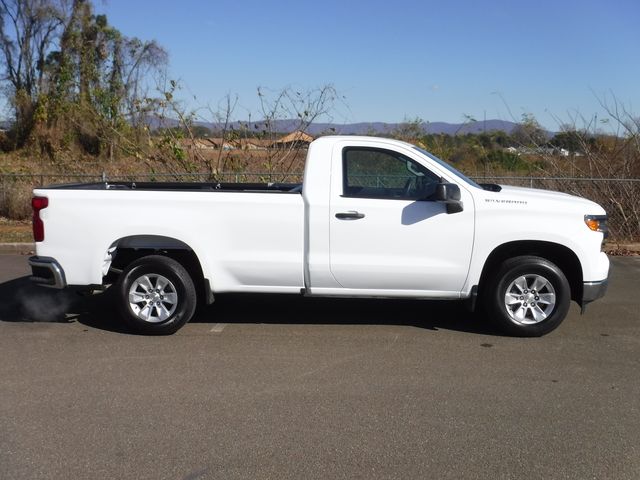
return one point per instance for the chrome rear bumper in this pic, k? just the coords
(46, 271)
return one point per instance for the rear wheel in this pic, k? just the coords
(528, 297)
(156, 295)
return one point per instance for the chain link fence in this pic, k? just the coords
(619, 197)
(16, 188)
(41, 179)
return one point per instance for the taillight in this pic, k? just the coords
(38, 203)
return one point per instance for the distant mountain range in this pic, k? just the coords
(427, 127)
(364, 128)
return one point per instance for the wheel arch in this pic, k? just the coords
(562, 256)
(123, 251)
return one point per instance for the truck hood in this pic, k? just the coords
(534, 194)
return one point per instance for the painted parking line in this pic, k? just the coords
(218, 328)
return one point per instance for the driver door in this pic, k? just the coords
(388, 234)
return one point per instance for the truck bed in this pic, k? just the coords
(184, 187)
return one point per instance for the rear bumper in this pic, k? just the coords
(46, 271)
(592, 291)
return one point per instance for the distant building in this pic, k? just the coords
(197, 144)
(230, 144)
(541, 151)
(295, 139)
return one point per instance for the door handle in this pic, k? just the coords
(351, 215)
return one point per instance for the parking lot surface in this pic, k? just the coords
(286, 387)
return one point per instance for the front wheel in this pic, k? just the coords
(156, 295)
(528, 297)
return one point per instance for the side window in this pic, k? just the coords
(376, 173)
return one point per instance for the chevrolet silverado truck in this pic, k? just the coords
(373, 218)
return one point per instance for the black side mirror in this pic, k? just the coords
(449, 193)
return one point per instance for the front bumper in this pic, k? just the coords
(46, 271)
(592, 291)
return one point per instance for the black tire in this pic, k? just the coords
(531, 313)
(166, 294)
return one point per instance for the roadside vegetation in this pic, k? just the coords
(15, 231)
(84, 99)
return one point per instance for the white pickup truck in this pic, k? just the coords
(374, 218)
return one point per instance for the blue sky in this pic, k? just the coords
(400, 59)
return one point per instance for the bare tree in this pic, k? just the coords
(28, 32)
(301, 109)
(601, 156)
(529, 132)
(279, 112)
(410, 130)
(135, 60)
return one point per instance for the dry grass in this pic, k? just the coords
(15, 200)
(15, 231)
(16, 192)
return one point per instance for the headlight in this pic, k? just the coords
(597, 223)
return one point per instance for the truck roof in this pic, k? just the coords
(362, 138)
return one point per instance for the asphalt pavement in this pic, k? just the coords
(278, 387)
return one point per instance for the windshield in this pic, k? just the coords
(449, 168)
